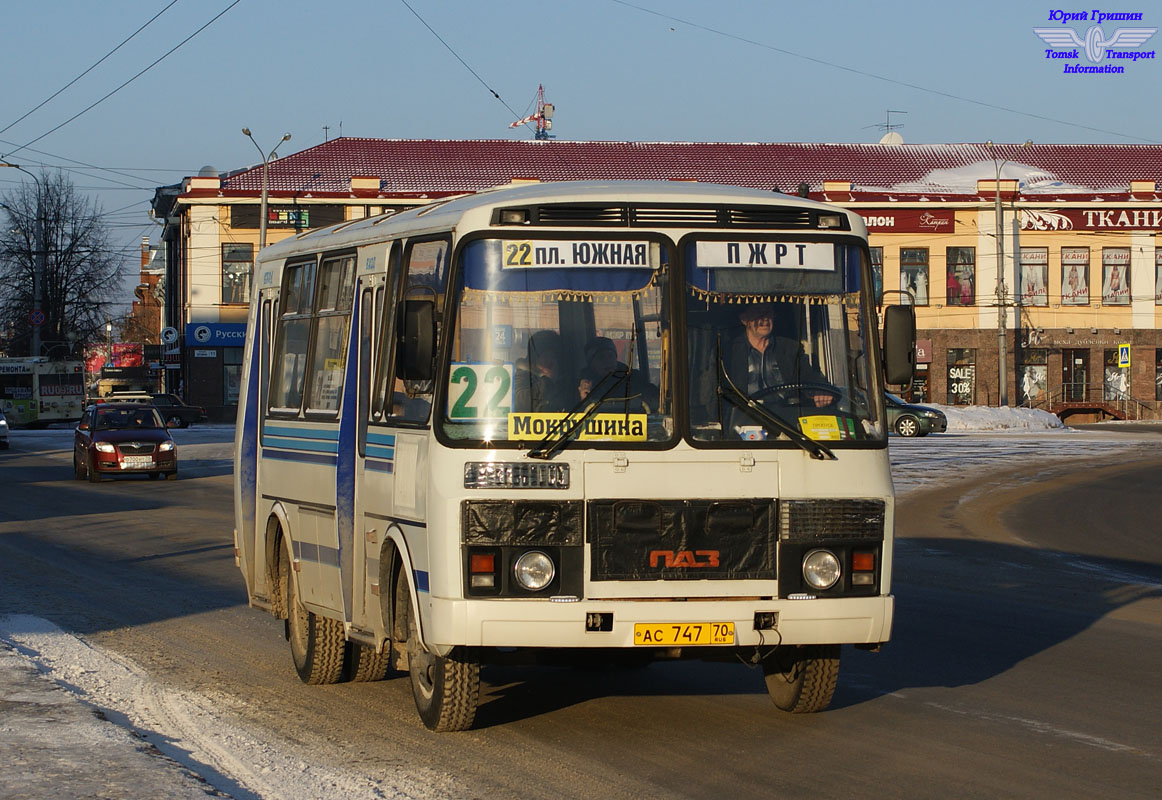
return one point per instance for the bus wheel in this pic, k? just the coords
(317, 643)
(364, 664)
(446, 688)
(802, 679)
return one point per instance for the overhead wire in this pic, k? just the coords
(49, 99)
(166, 55)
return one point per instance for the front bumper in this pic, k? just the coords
(543, 623)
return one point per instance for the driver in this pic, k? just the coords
(768, 360)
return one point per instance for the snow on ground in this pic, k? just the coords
(55, 738)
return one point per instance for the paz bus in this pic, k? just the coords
(431, 475)
(37, 391)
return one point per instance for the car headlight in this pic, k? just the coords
(105, 447)
(165, 447)
(534, 570)
(821, 569)
(932, 414)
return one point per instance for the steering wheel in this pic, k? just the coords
(785, 390)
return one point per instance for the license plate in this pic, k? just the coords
(683, 633)
(136, 461)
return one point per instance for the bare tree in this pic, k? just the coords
(82, 269)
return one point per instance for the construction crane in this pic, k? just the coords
(543, 116)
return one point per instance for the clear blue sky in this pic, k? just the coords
(679, 70)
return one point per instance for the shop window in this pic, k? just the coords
(1158, 276)
(237, 272)
(231, 375)
(877, 268)
(1158, 374)
(1074, 276)
(961, 278)
(1033, 276)
(961, 376)
(1116, 382)
(914, 274)
(1034, 376)
(1115, 276)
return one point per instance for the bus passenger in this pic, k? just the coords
(601, 360)
(544, 386)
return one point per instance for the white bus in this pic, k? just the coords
(440, 463)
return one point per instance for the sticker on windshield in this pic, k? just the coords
(766, 255)
(555, 253)
(480, 391)
(598, 428)
(824, 428)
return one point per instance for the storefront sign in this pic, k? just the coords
(1088, 219)
(216, 334)
(908, 220)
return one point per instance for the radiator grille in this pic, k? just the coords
(136, 448)
(812, 520)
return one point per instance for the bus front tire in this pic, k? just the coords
(802, 680)
(446, 688)
(317, 643)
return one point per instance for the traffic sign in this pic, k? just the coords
(36, 316)
(1123, 356)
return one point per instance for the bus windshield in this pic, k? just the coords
(560, 338)
(779, 342)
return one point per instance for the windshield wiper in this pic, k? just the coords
(557, 440)
(733, 395)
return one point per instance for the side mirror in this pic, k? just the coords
(899, 344)
(416, 342)
(83, 425)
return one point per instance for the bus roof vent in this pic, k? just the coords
(681, 216)
(582, 214)
(770, 217)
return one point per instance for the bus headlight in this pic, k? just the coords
(534, 570)
(821, 569)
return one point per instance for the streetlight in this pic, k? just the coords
(1002, 315)
(266, 159)
(41, 263)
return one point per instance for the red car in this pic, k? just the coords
(123, 439)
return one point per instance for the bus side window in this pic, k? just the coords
(385, 336)
(332, 322)
(288, 367)
(426, 277)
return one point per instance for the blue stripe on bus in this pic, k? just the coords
(376, 465)
(381, 438)
(295, 455)
(377, 451)
(298, 444)
(421, 581)
(329, 434)
(345, 441)
(317, 553)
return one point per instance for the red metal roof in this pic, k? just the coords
(410, 167)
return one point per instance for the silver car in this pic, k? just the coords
(3, 432)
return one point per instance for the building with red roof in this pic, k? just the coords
(1080, 278)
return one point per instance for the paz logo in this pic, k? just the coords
(1095, 45)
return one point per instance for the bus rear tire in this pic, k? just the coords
(317, 643)
(365, 665)
(446, 688)
(802, 680)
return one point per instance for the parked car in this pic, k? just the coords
(123, 439)
(908, 419)
(175, 413)
(3, 432)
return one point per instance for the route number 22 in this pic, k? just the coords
(480, 391)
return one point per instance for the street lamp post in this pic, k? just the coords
(266, 159)
(1002, 290)
(41, 262)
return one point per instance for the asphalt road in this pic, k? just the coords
(1024, 662)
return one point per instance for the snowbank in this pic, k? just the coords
(986, 418)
